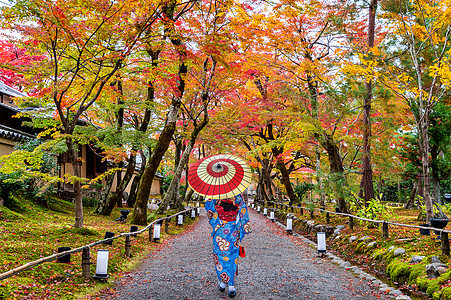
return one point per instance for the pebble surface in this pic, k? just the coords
(276, 266)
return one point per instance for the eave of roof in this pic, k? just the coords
(7, 90)
(14, 134)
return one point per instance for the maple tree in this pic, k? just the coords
(171, 16)
(211, 69)
(302, 59)
(13, 59)
(84, 44)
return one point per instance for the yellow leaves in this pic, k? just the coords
(252, 89)
(404, 78)
(420, 32)
(365, 69)
(374, 51)
(442, 71)
(20, 161)
(97, 179)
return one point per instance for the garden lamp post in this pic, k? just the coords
(180, 220)
(133, 228)
(271, 216)
(156, 232)
(108, 234)
(64, 258)
(289, 225)
(321, 242)
(102, 265)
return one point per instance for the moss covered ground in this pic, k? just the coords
(32, 232)
(411, 278)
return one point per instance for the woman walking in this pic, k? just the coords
(230, 222)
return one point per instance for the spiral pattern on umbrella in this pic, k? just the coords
(219, 176)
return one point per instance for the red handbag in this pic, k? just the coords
(242, 252)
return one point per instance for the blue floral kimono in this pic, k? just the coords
(230, 222)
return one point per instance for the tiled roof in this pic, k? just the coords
(14, 134)
(11, 108)
(7, 90)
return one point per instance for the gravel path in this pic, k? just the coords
(277, 266)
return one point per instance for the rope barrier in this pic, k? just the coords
(368, 220)
(35, 263)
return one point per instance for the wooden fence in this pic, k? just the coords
(86, 259)
(385, 224)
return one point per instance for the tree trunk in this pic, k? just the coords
(134, 189)
(188, 195)
(319, 179)
(411, 201)
(424, 147)
(435, 174)
(103, 201)
(337, 171)
(116, 196)
(140, 212)
(285, 175)
(367, 174)
(72, 150)
(173, 190)
(261, 193)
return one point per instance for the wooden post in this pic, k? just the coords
(351, 223)
(385, 230)
(445, 243)
(302, 211)
(166, 225)
(327, 218)
(150, 233)
(128, 244)
(311, 214)
(86, 263)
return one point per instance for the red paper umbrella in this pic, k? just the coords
(219, 176)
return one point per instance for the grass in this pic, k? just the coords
(35, 232)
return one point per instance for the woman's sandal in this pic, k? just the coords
(221, 289)
(232, 294)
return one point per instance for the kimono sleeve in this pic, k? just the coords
(244, 225)
(212, 215)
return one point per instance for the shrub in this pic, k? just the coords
(90, 202)
(399, 271)
(427, 285)
(416, 271)
(9, 186)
